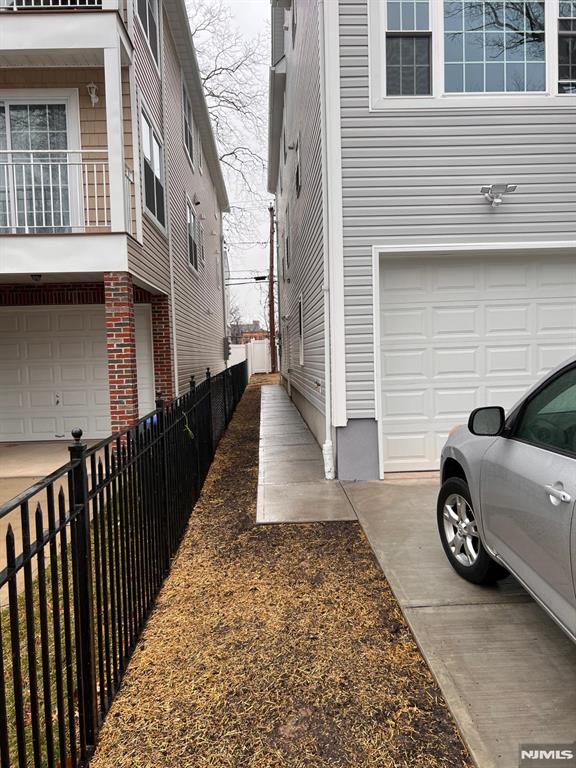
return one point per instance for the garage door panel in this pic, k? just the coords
(452, 322)
(460, 361)
(551, 355)
(398, 324)
(9, 351)
(401, 365)
(455, 403)
(506, 319)
(40, 374)
(556, 318)
(399, 405)
(506, 360)
(70, 321)
(37, 322)
(456, 336)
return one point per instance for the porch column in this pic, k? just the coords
(121, 347)
(115, 136)
(162, 341)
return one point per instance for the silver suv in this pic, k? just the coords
(508, 492)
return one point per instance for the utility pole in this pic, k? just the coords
(271, 315)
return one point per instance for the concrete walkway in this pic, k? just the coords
(507, 671)
(291, 488)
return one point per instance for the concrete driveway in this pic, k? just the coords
(507, 671)
(22, 464)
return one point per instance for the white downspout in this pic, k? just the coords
(328, 447)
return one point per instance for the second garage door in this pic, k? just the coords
(54, 373)
(456, 335)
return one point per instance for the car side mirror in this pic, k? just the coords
(487, 422)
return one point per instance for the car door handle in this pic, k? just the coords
(557, 493)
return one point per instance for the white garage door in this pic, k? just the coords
(458, 335)
(54, 374)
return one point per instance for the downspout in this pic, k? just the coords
(328, 447)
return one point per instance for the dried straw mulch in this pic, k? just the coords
(274, 647)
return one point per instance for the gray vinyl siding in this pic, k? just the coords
(414, 177)
(305, 275)
(198, 297)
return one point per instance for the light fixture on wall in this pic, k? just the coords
(494, 193)
(36, 277)
(92, 89)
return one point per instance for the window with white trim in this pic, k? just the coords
(188, 123)
(491, 46)
(148, 15)
(301, 330)
(193, 236)
(408, 45)
(427, 50)
(567, 47)
(298, 168)
(153, 170)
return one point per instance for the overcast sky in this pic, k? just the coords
(252, 18)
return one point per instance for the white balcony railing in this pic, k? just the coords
(41, 5)
(56, 191)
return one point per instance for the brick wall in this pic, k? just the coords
(121, 348)
(18, 295)
(162, 341)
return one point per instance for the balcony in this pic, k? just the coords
(62, 5)
(62, 212)
(58, 192)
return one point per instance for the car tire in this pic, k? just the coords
(460, 538)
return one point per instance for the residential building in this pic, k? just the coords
(111, 202)
(412, 287)
(242, 333)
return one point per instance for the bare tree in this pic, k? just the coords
(235, 321)
(233, 72)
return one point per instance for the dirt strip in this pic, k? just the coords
(274, 647)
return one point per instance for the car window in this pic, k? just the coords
(549, 419)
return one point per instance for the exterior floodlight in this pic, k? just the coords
(495, 193)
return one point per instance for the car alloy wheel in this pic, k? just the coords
(460, 529)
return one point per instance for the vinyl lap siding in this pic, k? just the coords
(303, 114)
(415, 177)
(200, 326)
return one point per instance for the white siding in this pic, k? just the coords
(303, 119)
(414, 177)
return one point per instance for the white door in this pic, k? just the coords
(54, 371)
(459, 334)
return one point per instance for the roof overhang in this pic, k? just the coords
(182, 36)
(277, 85)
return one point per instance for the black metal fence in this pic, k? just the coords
(86, 551)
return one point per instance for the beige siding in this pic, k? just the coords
(305, 276)
(200, 326)
(92, 119)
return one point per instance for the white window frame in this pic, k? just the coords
(301, 329)
(146, 31)
(187, 102)
(70, 98)
(145, 114)
(298, 174)
(197, 237)
(377, 19)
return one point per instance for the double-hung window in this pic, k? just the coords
(408, 64)
(188, 123)
(195, 237)
(567, 47)
(153, 171)
(148, 15)
(441, 52)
